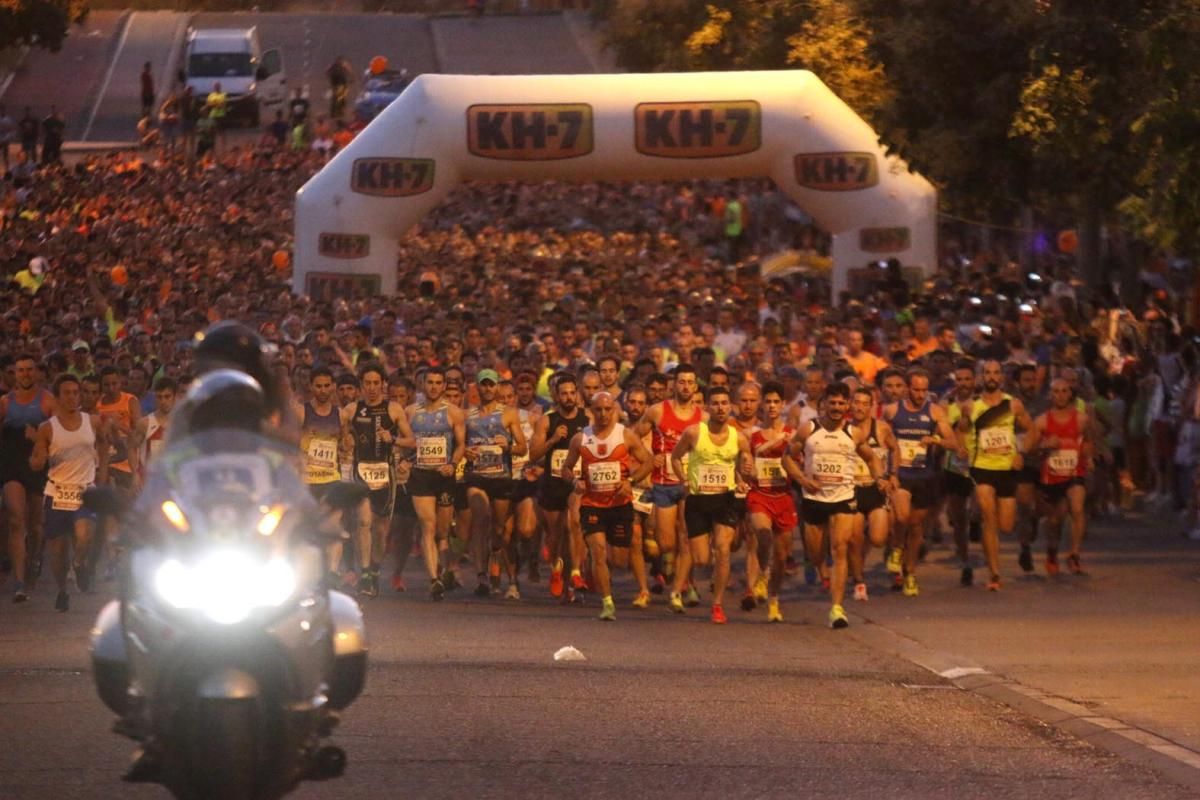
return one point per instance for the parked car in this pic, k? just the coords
(379, 91)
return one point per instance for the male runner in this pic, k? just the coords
(987, 426)
(712, 454)
(22, 411)
(873, 515)
(373, 427)
(522, 395)
(636, 403)
(494, 435)
(957, 483)
(1064, 435)
(441, 437)
(321, 423)
(772, 510)
(667, 421)
(123, 411)
(828, 448)
(401, 391)
(551, 442)
(151, 432)
(918, 424)
(1026, 390)
(606, 448)
(745, 419)
(75, 447)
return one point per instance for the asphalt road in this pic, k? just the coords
(464, 699)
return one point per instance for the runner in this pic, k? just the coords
(74, 446)
(873, 513)
(714, 455)
(404, 517)
(1064, 435)
(494, 435)
(372, 428)
(772, 511)
(957, 483)
(22, 412)
(666, 421)
(828, 448)
(758, 549)
(522, 395)
(123, 413)
(321, 424)
(551, 442)
(151, 433)
(636, 403)
(605, 448)
(441, 436)
(988, 427)
(918, 425)
(1028, 477)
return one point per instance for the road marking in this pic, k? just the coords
(959, 672)
(126, 21)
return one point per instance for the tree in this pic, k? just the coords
(39, 23)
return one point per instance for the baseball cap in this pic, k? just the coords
(487, 375)
(80, 344)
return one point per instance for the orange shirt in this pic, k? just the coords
(924, 348)
(866, 365)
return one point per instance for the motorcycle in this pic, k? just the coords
(226, 656)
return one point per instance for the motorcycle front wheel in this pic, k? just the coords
(221, 750)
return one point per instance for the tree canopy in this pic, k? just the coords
(39, 23)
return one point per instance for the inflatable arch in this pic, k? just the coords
(445, 129)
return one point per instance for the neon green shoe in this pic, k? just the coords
(837, 618)
(910, 586)
(895, 560)
(760, 588)
(609, 612)
(773, 612)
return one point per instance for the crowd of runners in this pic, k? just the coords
(581, 380)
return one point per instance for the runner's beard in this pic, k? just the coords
(991, 386)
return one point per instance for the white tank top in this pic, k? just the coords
(829, 459)
(72, 455)
(155, 439)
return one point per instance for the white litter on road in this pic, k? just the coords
(569, 653)
(959, 672)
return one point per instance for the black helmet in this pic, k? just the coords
(226, 399)
(232, 345)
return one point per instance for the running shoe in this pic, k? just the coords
(760, 588)
(20, 595)
(642, 600)
(693, 597)
(556, 579)
(1025, 560)
(860, 592)
(810, 573)
(513, 593)
(369, 585)
(494, 579)
(608, 613)
(62, 602)
(1051, 562)
(398, 583)
(718, 616)
(837, 618)
(450, 579)
(773, 612)
(1074, 565)
(748, 601)
(910, 586)
(676, 602)
(895, 560)
(482, 586)
(994, 584)
(578, 583)
(437, 590)
(659, 585)
(967, 578)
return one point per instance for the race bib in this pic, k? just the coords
(67, 497)
(641, 501)
(912, 453)
(714, 478)
(558, 458)
(322, 453)
(1063, 462)
(768, 472)
(996, 441)
(490, 460)
(432, 451)
(604, 476)
(827, 469)
(375, 474)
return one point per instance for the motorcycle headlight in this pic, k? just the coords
(226, 586)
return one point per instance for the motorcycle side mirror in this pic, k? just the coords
(344, 495)
(104, 500)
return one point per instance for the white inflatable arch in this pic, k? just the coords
(445, 129)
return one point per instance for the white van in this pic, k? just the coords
(233, 58)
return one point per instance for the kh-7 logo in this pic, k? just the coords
(392, 177)
(698, 129)
(836, 172)
(530, 132)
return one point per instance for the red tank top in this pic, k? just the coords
(769, 476)
(667, 434)
(1066, 462)
(605, 465)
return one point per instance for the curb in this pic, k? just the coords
(6, 78)
(1171, 759)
